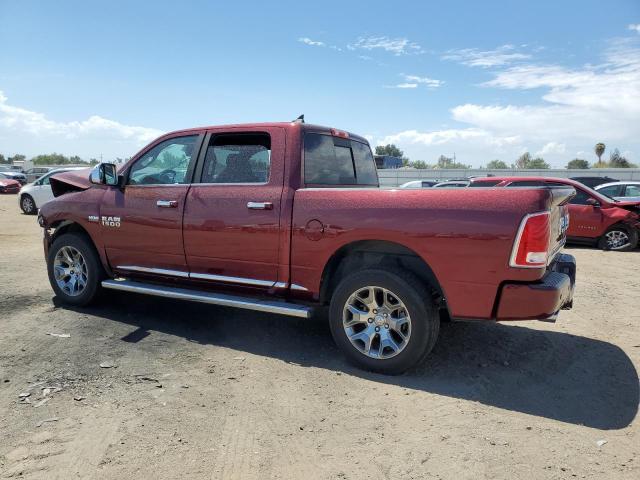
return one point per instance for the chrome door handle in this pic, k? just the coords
(260, 205)
(167, 203)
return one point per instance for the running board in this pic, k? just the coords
(282, 308)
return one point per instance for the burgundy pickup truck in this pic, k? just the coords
(288, 217)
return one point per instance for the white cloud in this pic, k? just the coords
(474, 57)
(413, 81)
(397, 46)
(551, 148)
(577, 107)
(403, 85)
(29, 130)
(635, 27)
(429, 82)
(313, 43)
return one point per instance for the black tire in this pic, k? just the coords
(28, 204)
(425, 322)
(94, 270)
(632, 235)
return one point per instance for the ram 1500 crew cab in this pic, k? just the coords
(286, 217)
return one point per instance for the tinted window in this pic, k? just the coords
(366, 173)
(337, 161)
(527, 183)
(238, 158)
(611, 191)
(488, 183)
(166, 163)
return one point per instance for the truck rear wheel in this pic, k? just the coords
(74, 268)
(384, 320)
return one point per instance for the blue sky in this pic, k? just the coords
(484, 79)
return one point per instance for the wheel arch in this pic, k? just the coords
(362, 254)
(61, 227)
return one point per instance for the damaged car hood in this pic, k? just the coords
(72, 181)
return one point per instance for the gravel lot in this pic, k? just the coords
(195, 391)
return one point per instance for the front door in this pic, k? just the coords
(232, 212)
(142, 222)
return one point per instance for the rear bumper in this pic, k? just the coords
(541, 300)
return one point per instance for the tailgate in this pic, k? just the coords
(559, 218)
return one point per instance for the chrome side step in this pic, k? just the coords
(282, 308)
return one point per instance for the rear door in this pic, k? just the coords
(232, 214)
(142, 222)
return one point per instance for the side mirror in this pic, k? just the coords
(593, 202)
(104, 174)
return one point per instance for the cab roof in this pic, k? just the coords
(305, 127)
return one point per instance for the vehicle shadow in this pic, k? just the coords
(548, 374)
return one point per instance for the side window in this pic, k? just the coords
(488, 183)
(238, 158)
(46, 180)
(611, 191)
(366, 173)
(326, 164)
(632, 191)
(332, 160)
(165, 164)
(580, 198)
(527, 183)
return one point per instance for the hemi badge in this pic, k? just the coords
(94, 218)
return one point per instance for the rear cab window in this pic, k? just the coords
(330, 161)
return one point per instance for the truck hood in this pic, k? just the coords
(73, 181)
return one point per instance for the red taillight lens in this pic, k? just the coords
(531, 248)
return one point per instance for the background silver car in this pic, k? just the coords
(628, 191)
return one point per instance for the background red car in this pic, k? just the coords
(8, 186)
(594, 218)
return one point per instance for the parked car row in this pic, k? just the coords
(13, 175)
(606, 215)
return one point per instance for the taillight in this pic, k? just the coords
(531, 248)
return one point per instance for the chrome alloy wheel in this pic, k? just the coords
(70, 271)
(617, 239)
(27, 204)
(376, 322)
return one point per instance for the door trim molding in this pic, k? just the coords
(200, 276)
(157, 271)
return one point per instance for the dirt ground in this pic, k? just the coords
(196, 391)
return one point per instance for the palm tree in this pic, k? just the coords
(600, 150)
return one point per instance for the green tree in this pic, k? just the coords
(538, 162)
(577, 163)
(497, 164)
(618, 161)
(16, 158)
(526, 161)
(599, 149)
(448, 162)
(389, 149)
(523, 160)
(3, 160)
(419, 164)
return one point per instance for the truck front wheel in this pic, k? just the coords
(75, 271)
(384, 320)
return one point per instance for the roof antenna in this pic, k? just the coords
(300, 119)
